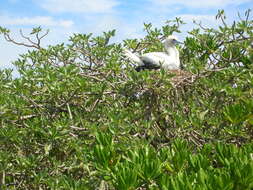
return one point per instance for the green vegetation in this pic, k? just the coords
(80, 117)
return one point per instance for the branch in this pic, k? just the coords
(32, 43)
(27, 38)
(9, 39)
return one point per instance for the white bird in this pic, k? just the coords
(168, 60)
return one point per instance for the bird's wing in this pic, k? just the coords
(160, 59)
(132, 56)
(150, 61)
(155, 58)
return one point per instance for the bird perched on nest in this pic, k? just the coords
(168, 60)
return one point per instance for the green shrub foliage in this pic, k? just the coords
(79, 116)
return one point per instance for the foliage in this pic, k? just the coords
(80, 117)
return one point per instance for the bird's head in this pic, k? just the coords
(172, 40)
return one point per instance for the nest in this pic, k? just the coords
(182, 77)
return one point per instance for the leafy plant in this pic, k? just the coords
(78, 116)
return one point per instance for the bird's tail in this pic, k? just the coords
(132, 56)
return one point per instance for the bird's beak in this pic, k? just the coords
(179, 42)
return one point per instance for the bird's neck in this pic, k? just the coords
(172, 51)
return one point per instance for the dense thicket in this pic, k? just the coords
(80, 117)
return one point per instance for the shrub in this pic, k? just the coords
(80, 117)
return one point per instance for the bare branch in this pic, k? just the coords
(9, 39)
(27, 38)
(46, 33)
(32, 43)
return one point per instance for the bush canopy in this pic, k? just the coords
(80, 117)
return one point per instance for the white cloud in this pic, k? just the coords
(105, 23)
(204, 19)
(200, 3)
(11, 52)
(38, 20)
(96, 25)
(124, 27)
(79, 6)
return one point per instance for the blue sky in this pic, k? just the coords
(65, 17)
